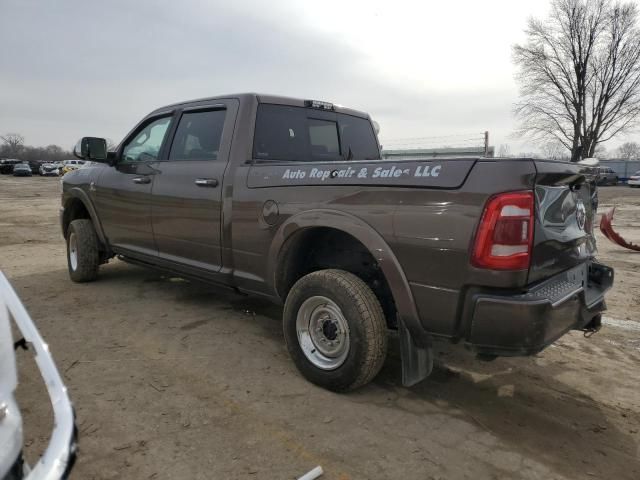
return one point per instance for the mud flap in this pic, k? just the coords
(593, 326)
(417, 362)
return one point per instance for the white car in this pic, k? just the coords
(58, 458)
(634, 180)
(47, 169)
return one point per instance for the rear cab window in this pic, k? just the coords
(298, 134)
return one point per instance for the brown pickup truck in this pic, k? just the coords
(290, 200)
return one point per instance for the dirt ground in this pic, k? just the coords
(172, 379)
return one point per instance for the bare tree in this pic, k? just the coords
(579, 74)
(629, 150)
(53, 150)
(601, 152)
(13, 144)
(528, 155)
(554, 150)
(111, 145)
(50, 153)
(504, 150)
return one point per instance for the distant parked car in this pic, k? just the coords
(47, 169)
(69, 165)
(634, 180)
(607, 176)
(59, 166)
(34, 165)
(6, 165)
(22, 170)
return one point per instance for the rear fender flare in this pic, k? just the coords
(372, 240)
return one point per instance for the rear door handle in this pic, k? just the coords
(142, 180)
(206, 182)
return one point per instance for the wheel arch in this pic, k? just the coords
(79, 205)
(291, 235)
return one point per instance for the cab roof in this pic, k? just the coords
(263, 98)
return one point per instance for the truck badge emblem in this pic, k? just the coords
(581, 214)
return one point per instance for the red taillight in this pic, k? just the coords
(505, 234)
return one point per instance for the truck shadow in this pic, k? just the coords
(519, 403)
(526, 407)
(514, 402)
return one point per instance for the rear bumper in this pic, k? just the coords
(526, 323)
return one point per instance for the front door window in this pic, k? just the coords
(145, 146)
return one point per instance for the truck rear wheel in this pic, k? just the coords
(335, 330)
(83, 256)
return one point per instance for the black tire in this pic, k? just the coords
(367, 329)
(82, 236)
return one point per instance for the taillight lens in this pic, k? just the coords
(505, 234)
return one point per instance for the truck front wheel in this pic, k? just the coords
(335, 330)
(83, 256)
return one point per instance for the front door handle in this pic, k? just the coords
(142, 180)
(206, 182)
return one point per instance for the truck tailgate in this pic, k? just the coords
(563, 235)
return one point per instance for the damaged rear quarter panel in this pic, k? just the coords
(427, 221)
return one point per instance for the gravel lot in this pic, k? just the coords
(173, 379)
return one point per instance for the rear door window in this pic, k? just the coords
(198, 136)
(284, 133)
(280, 134)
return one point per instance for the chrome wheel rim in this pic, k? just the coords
(73, 251)
(323, 332)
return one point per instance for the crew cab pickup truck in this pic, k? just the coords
(289, 199)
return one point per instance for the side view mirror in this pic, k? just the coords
(91, 148)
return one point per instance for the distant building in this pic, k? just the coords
(624, 168)
(428, 153)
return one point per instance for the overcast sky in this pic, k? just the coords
(422, 69)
